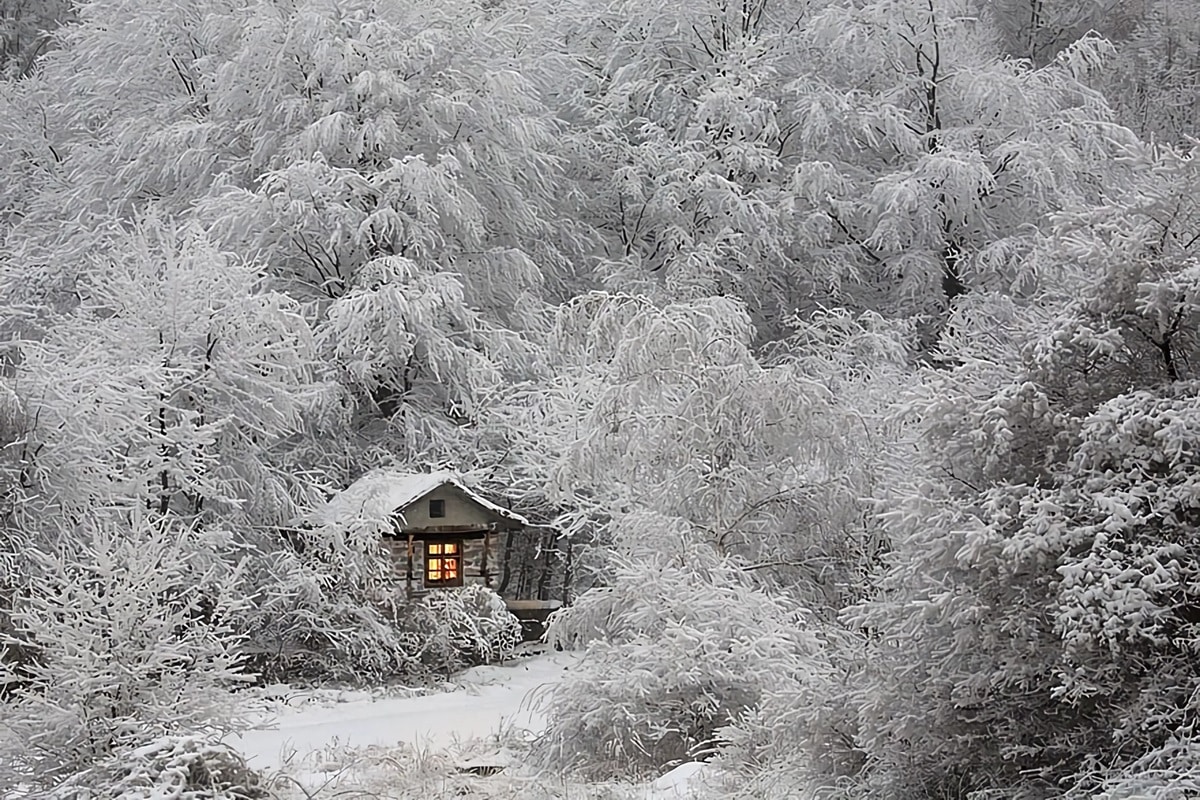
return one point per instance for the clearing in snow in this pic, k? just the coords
(454, 742)
(485, 702)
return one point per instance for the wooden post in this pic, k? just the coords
(506, 573)
(408, 577)
(548, 555)
(483, 565)
(568, 573)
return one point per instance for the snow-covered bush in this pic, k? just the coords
(132, 625)
(169, 768)
(802, 733)
(450, 629)
(313, 621)
(310, 621)
(679, 647)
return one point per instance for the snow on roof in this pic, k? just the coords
(382, 492)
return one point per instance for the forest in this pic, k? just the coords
(844, 353)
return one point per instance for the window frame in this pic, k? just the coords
(442, 555)
(437, 508)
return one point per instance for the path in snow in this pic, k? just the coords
(486, 701)
(489, 700)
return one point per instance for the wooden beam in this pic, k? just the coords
(435, 531)
(483, 565)
(408, 578)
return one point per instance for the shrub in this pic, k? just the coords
(174, 767)
(477, 623)
(132, 631)
(450, 629)
(674, 653)
(309, 623)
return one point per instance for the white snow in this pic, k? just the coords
(382, 492)
(683, 781)
(486, 701)
(326, 740)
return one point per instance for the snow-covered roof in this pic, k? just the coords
(382, 492)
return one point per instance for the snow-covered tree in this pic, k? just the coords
(1035, 618)
(170, 385)
(406, 130)
(406, 341)
(927, 163)
(884, 155)
(325, 143)
(668, 407)
(93, 120)
(677, 142)
(26, 28)
(132, 622)
(403, 168)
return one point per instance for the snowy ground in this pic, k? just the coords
(448, 743)
(484, 703)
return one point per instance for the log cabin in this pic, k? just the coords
(437, 532)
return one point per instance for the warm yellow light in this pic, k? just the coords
(442, 562)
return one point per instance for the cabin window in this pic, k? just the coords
(443, 564)
(437, 508)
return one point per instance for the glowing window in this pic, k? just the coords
(443, 564)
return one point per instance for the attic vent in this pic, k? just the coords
(437, 508)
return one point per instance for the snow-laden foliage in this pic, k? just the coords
(376, 130)
(315, 616)
(800, 733)
(175, 767)
(331, 134)
(1118, 527)
(792, 153)
(1037, 607)
(449, 629)
(669, 408)
(405, 339)
(169, 383)
(679, 646)
(656, 272)
(680, 136)
(320, 142)
(926, 164)
(133, 627)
